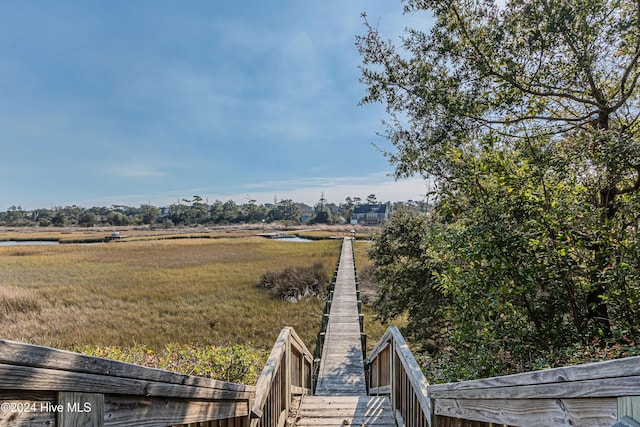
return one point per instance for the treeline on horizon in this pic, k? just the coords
(196, 211)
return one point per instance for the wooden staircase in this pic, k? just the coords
(345, 411)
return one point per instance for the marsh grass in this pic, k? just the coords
(14, 301)
(98, 235)
(188, 291)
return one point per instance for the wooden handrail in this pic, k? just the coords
(288, 372)
(595, 394)
(394, 371)
(325, 312)
(46, 386)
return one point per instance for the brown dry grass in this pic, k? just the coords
(154, 292)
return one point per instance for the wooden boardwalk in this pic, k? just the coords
(341, 370)
(341, 391)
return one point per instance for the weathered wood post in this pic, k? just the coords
(629, 406)
(80, 409)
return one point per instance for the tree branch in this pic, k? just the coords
(632, 189)
(508, 79)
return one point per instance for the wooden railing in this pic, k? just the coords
(597, 394)
(363, 335)
(288, 372)
(392, 370)
(325, 316)
(41, 386)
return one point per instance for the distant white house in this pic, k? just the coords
(370, 214)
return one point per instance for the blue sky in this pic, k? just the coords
(138, 101)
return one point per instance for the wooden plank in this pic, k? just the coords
(380, 390)
(347, 422)
(347, 410)
(341, 366)
(266, 378)
(124, 411)
(628, 367)
(41, 379)
(299, 345)
(15, 353)
(629, 406)
(608, 387)
(80, 409)
(27, 408)
(411, 368)
(380, 346)
(532, 412)
(296, 390)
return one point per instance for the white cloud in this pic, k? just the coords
(308, 190)
(135, 171)
(305, 190)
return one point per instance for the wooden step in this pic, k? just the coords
(341, 411)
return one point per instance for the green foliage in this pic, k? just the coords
(187, 212)
(525, 116)
(402, 268)
(239, 363)
(285, 210)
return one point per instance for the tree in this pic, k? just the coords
(16, 216)
(285, 210)
(526, 117)
(253, 213)
(321, 214)
(58, 220)
(230, 212)
(401, 238)
(87, 219)
(149, 214)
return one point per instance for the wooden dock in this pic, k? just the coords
(341, 392)
(341, 370)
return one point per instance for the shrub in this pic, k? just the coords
(239, 363)
(295, 283)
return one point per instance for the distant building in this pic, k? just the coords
(305, 215)
(370, 214)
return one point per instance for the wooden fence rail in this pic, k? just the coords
(597, 394)
(325, 317)
(288, 372)
(41, 386)
(394, 371)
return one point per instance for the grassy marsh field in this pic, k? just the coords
(154, 292)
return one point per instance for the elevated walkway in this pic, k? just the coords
(341, 371)
(341, 390)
